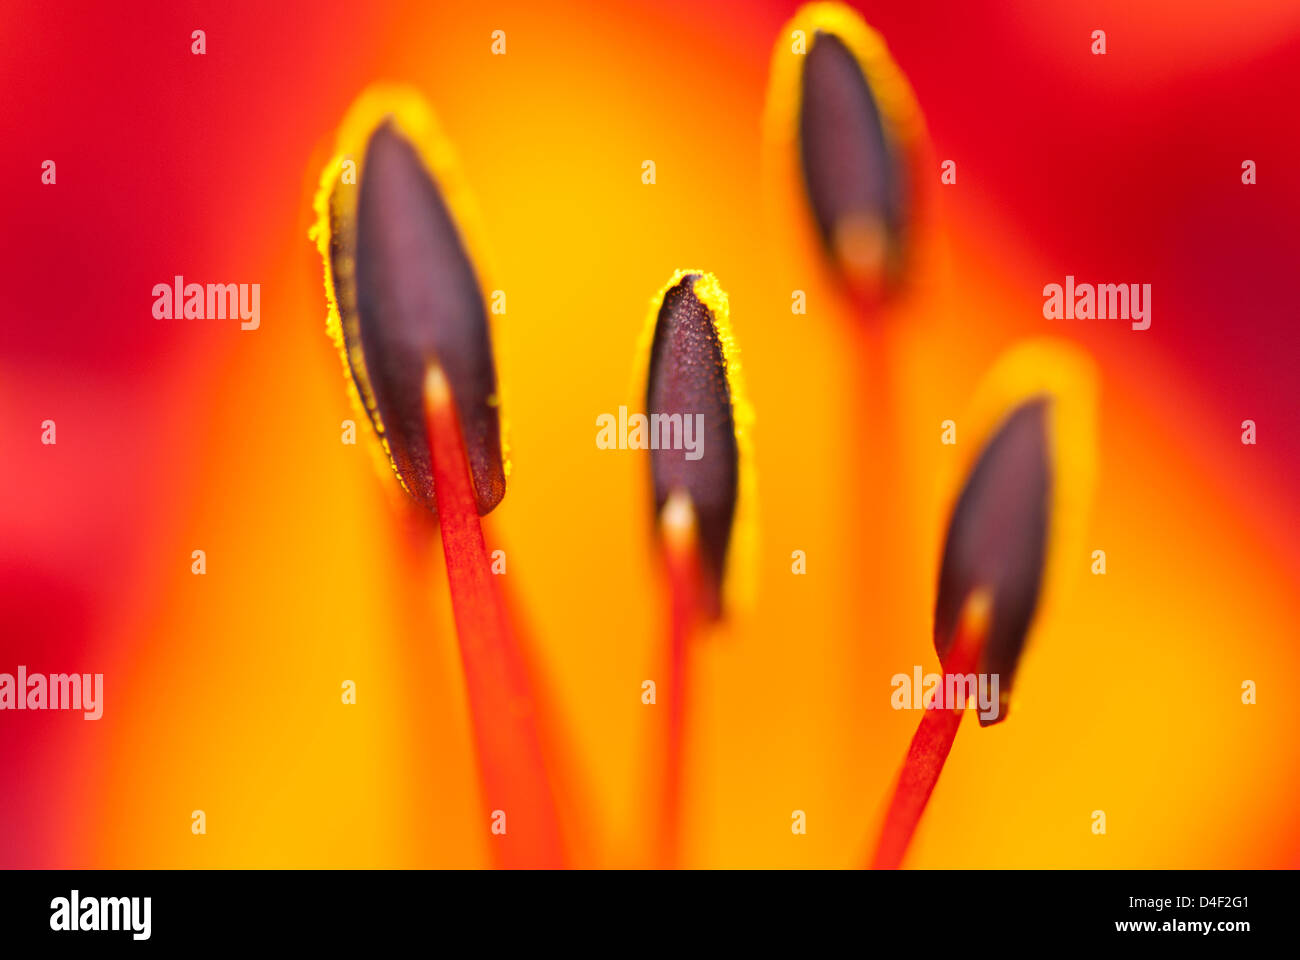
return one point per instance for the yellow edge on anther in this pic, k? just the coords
(788, 209)
(740, 576)
(335, 210)
(1066, 376)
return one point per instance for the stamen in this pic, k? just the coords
(509, 747)
(988, 591)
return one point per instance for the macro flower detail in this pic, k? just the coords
(997, 540)
(855, 184)
(404, 288)
(336, 630)
(407, 313)
(1020, 510)
(693, 386)
(844, 132)
(691, 371)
